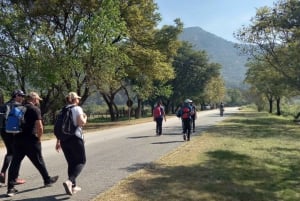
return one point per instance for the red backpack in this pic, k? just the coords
(186, 112)
(157, 112)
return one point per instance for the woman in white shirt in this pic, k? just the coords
(73, 148)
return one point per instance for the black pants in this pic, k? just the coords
(159, 125)
(8, 140)
(187, 127)
(74, 152)
(193, 122)
(33, 150)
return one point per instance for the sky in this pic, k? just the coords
(219, 17)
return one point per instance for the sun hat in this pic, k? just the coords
(73, 95)
(34, 95)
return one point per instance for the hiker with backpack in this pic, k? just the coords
(158, 116)
(68, 131)
(186, 112)
(28, 143)
(17, 98)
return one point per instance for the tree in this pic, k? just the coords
(193, 72)
(150, 49)
(214, 91)
(274, 34)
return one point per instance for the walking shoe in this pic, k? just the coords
(184, 137)
(19, 181)
(2, 178)
(68, 187)
(11, 192)
(51, 181)
(76, 189)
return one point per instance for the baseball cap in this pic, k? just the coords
(73, 95)
(34, 95)
(188, 101)
(17, 92)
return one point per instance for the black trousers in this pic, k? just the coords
(187, 127)
(159, 125)
(33, 150)
(74, 152)
(193, 121)
(8, 140)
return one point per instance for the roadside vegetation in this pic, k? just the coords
(250, 156)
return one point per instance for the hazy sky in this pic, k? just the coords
(220, 17)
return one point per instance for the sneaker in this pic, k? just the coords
(2, 178)
(68, 187)
(76, 189)
(11, 192)
(51, 181)
(19, 181)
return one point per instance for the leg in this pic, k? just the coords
(14, 167)
(188, 129)
(8, 142)
(159, 122)
(34, 153)
(74, 152)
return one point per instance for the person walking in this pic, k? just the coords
(73, 147)
(28, 143)
(221, 109)
(186, 112)
(17, 98)
(158, 116)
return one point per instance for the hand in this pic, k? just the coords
(57, 147)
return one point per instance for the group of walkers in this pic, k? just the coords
(27, 142)
(188, 114)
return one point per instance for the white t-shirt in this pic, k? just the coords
(76, 111)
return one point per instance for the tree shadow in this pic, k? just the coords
(226, 176)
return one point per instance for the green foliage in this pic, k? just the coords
(193, 72)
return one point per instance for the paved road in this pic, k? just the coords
(112, 155)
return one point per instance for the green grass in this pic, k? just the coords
(249, 157)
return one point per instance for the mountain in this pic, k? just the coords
(220, 51)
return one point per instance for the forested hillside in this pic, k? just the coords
(220, 51)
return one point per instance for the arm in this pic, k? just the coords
(81, 119)
(39, 129)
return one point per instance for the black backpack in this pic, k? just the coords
(64, 127)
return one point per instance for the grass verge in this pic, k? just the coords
(249, 157)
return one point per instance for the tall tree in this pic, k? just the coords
(274, 33)
(193, 72)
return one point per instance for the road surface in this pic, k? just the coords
(112, 155)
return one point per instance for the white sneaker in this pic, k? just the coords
(76, 189)
(68, 187)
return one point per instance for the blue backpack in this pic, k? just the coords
(15, 119)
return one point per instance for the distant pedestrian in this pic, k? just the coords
(221, 109)
(186, 112)
(17, 99)
(28, 143)
(158, 116)
(73, 147)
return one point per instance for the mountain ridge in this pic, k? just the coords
(220, 51)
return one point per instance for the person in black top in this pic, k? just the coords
(28, 143)
(17, 98)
